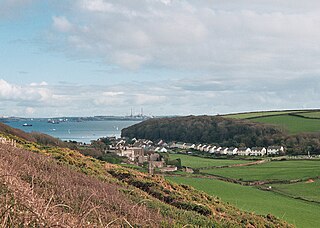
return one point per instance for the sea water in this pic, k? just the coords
(76, 131)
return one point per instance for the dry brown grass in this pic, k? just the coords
(36, 191)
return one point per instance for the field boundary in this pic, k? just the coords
(235, 165)
(290, 196)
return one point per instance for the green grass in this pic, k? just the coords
(293, 124)
(258, 114)
(304, 190)
(198, 162)
(315, 114)
(276, 170)
(297, 212)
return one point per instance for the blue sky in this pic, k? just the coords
(104, 57)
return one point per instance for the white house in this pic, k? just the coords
(232, 151)
(244, 151)
(218, 150)
(223, 150)
(275, 150)
(213, 149)
(258, 151)
(163, 150)
(208, 148)
(203, 147)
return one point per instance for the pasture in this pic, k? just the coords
(298, 212)
(275, 170)
(249, 115)
(315, 114)
(198, 162)
(308, 190)
(293, 124)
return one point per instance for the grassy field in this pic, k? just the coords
(304, 190)
(197, 162)
(276, 170)
(258, 114)
(293, 124)
(297, 212)
(311, 114)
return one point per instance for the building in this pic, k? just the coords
(244, 151)
(258, 151)
(232, 151)
(273, 150)
(131, 152)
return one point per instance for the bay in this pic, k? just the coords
(76, 131)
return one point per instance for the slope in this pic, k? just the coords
(44, 185)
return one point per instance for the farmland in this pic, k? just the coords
(295, 121)
(249, 115)
(198, 162)
(311, 114)
(298, 203)
(276, 170)
(308, 190)
(293, 124)
(300, 213)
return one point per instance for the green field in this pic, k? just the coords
(258, 114)
(293, 124)
(311, 114)
(298, 212)
(198, 162)
(276, 170)
(304, 190)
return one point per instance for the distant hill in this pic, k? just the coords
(45, 186)
(293, 121)
(230, 132)
(206, 129)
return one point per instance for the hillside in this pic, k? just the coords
(228, 132)
(206, 129)
(53, 186)
(34, 136)
(292, 121)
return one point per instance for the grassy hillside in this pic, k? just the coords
(198, 162)
(301, 214)
(206, 129)
(308, 190)
(289, 189)
(47, 186)
(275, 170)
(296, 121)
(294, 124)
(250, 115)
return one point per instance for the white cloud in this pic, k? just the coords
(196, 35)
(96, 5)
(43, 83)
(19, 93)
(62, 24)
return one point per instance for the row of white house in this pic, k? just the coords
(244, 151)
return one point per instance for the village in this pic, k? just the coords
(153, 154)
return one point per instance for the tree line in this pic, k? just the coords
(225, 132)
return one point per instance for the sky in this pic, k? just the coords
(169, 57)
